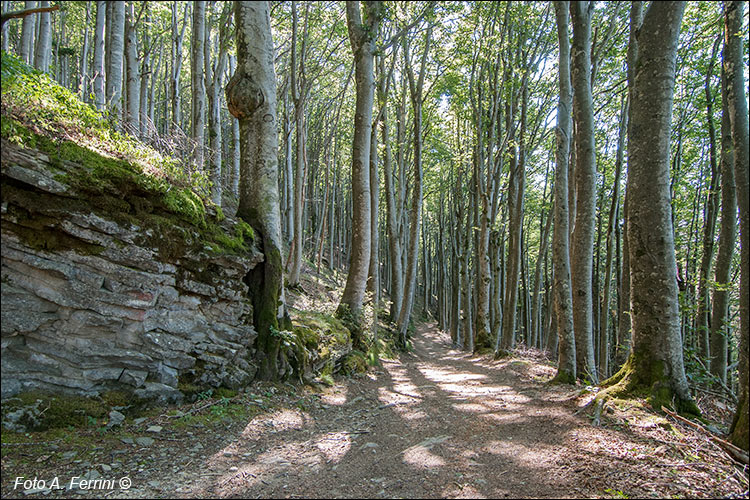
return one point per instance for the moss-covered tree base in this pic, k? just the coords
(354, 321)
(654, 386)
(563, 377)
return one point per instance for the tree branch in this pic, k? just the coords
(19, 14)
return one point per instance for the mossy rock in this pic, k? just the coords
(353, 363)
(40, 411)
(127, 183)
(317, 327)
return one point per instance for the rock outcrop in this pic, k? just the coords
(113, 291)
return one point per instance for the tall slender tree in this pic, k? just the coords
(566, 363)
(27, 35)
(416, 88)
(98, 70)
(363, 33)
(733, 69)
(585, 177)
(116, 47)
(43, 45)
(727, 236)
(198, 90)
(132, 71)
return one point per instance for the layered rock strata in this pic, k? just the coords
(129, 298)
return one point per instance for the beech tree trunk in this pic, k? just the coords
(733, 68)
(145, 76)
(98, 69)
(655, 365)
(198, 101)
(394, 241)
(709, 223)
(132, 81)
(604, 350)
(727, 236)
(585, 177)
(362, 37)
(299, 96)
(563, 298)
(214, 74)
(85, 83)
(625, 322)
(43, 46)
(178, 35)
(235, 182)
(27, 35)
(116, 46)
(415, 216)
(251, 98)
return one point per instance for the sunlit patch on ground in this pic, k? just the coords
(335, 397)
(422, 457)
(334, 445)
(279, 421)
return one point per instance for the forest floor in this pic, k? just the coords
(436, 422)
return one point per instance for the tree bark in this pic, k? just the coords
(84, 62)
(133, 77)
(585, 177)
(362, 37)
(727, 235)
(27, 34)
(178, 35)
(198, 101)
(235, 183)
(146, 75)
(394, 241)
(410, 284)
(214, 75)
(43, 47)
(566, 363)
(625, 323)
(709, 223)
(114, 69)
(655, 365)
(251, 98)
(299, 96)
(733, 67)
(99, 94)
(604, 351)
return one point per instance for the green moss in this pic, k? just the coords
(117, 398)
(353, 320)
(243, 238)
(563, 377)
(56, 411)
(327, 379)
(354, 362)
(186, 203)
(649, 381)
(127, 195)
(223, 392)
(317, 325)
(50, 239)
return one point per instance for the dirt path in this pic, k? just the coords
(436, 423)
